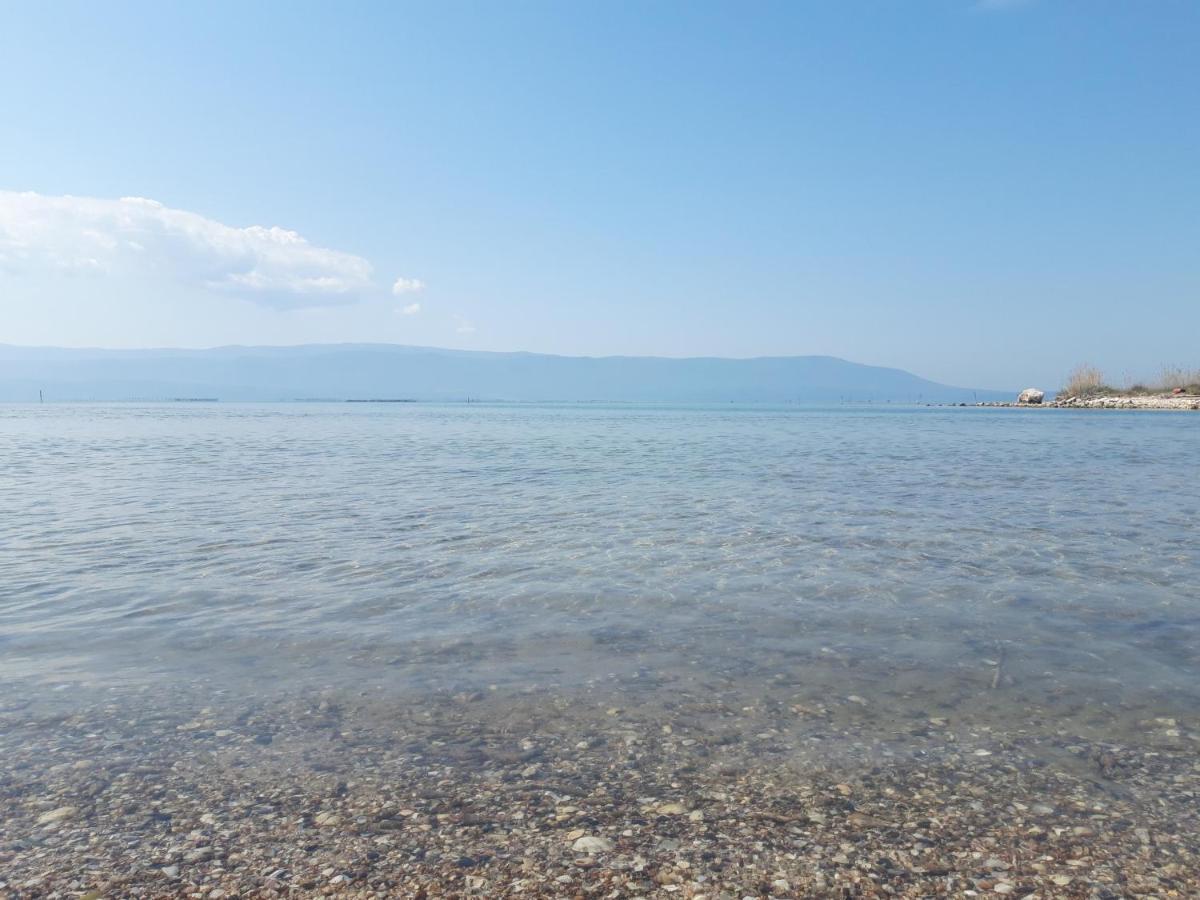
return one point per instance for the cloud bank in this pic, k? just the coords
(411, 310)
(138, 238)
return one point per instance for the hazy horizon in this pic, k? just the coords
(1126, 376)
(373, 371)
(200, 348)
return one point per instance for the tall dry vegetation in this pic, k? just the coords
(1085, 379)
(1173, 377)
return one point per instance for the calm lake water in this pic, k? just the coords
(939, 555)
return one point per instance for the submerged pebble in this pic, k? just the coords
(434, 796)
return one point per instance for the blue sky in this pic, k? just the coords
(982, 193)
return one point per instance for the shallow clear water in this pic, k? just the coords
(405, 545)
(295, 649)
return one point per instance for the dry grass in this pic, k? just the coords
(1084, 381)
(1173, 377)
(1088, 381)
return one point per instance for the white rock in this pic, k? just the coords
(1031, 396)
(592, 844)
(57, 815)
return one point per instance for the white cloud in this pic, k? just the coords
(138, 238)
(407, 286)
(411, 310)
(463, 325)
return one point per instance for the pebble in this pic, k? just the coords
(57, 815)
(200, 854)
(447, 807)
(591, 844)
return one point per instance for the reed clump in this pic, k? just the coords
(1179, 378)
(1088, 381)
(1085, 381)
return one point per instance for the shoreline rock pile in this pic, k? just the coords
(1157, 401)
(1031, 398)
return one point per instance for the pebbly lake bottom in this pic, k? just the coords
(632, 772)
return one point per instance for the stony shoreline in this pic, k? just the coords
(550, 796)
(1164, 401)
(1184, 402)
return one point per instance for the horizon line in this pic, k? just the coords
(380, 345)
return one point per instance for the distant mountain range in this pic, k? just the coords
(389, 371)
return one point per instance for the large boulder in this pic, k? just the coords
(1031, 396)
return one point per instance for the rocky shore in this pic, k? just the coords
(1157, 401)
(1179, 402)
(585, 796)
